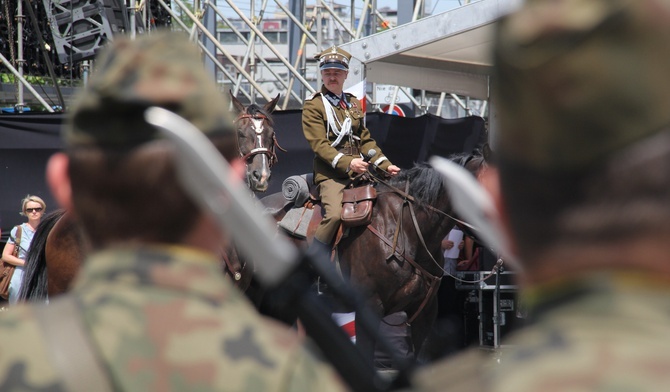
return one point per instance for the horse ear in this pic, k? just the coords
(239, 108)
(270, 106)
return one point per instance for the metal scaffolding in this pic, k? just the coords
(253, 60)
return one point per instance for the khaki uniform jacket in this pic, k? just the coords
(165, 319)
(604, 332)
(328, 163)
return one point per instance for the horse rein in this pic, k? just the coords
(433, 278)
(406, 196)
(257, 122)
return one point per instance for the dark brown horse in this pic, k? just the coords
(256, 141)
(57, 247)
(396, 261)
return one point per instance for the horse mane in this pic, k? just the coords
(425, 183)
(34, 284)
(474, 162)
(254, 110)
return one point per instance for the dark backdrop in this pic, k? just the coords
(27, 141)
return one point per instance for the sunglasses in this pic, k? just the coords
(38, 209)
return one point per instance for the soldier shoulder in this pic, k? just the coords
(311, 97)
(461, 372)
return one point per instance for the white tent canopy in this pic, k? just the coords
(448, 52)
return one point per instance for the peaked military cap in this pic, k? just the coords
(575, 81)
(334, 57)
(159, 69)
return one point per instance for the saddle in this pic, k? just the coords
(301, 202)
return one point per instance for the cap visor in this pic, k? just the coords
(334, 65)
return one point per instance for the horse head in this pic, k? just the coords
(256, 141)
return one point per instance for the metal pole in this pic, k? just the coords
(25, 83)
(252, 43)
(19, 61)
(297, 22)
(361, 22)
(203, 48)
(298, 60)
(219, 46)
(262, 60)
(440, 102)
(331, 27)
(331, 11)
(484, 107)
(461, 103)
(209, 23)
(279, 55)
(133, 11)
(496, 311)
(417, 9)
(319, 39)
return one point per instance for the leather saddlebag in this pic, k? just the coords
(357, 205)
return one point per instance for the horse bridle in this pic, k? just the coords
(257, 122)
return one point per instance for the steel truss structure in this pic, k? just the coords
(443, 53)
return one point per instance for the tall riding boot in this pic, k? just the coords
(321, 248)
(323, 252)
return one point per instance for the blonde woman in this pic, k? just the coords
(32, 207)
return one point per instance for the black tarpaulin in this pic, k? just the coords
(28, 140)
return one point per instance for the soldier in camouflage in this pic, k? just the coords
(150, 309)
(333, 124)
(583, 146)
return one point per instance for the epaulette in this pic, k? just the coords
(313, 96)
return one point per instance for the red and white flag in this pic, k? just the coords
(347, 322)
(358, 90)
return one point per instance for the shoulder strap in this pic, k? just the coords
(17, 238)
(72, 353)
(17, 243)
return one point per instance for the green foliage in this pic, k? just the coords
(182, 15)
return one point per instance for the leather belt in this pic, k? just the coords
(348, 149)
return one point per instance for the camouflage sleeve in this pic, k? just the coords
(25, 364)
(311, 374)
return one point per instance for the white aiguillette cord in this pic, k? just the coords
(343, 130)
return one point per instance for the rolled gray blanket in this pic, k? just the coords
(296, 189)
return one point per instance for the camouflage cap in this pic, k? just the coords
(576, 80)
(334, 57)
(160, 69)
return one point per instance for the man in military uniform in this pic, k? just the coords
(582, 184)
(332, 122)
(150, 309)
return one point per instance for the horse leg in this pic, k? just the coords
(396, 332)
(421, 328)
(366, 341)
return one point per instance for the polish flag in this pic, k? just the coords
(347, 322)
(358, 90)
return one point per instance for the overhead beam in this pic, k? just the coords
(433, 53)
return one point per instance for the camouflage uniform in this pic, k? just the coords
(165, 319)
(158, 317)
(604, 332)
(580, 85)
(332, 162)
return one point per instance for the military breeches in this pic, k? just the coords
(331, 201)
